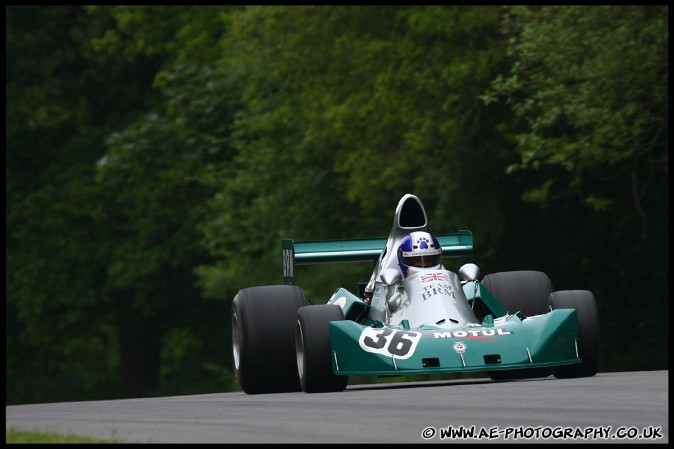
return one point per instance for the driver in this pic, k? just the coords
(419, 250)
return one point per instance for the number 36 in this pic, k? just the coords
(393, 343)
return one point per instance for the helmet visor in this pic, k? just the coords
(423, 261)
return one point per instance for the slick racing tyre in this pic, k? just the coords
(588, 332)
(263, 338)
(520, 291)
(523, 291)
(312, 346)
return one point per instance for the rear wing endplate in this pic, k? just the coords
(459, 244)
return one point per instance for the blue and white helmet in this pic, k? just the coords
(419, 250)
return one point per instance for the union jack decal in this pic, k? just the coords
(434, 277)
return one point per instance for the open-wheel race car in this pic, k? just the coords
(412, 317)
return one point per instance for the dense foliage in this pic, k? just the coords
(155, 156)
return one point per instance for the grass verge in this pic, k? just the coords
(17, 436)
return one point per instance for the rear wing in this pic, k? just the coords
(459, 244)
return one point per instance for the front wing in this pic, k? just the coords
(510, 342)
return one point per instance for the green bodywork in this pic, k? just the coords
(547, 340)
(501, 341)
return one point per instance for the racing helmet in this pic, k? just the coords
(419, 250)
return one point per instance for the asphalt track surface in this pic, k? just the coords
(607, 408)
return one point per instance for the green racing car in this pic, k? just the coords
(412, 317)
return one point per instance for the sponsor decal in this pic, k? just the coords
(399, 344)
(437, 289)
(434, 277)
(288, 257)
(482, 334)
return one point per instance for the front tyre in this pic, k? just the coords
(263, 338)
(312, 347)
(588, 332)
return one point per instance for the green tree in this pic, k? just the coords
(590, 85)
(57, 116)
(345, 110)
(157, 174)
(74, 75)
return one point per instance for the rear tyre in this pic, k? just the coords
(520, 291)
(523, 291)
(263, 338)
(588, 332)
(312, 346)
